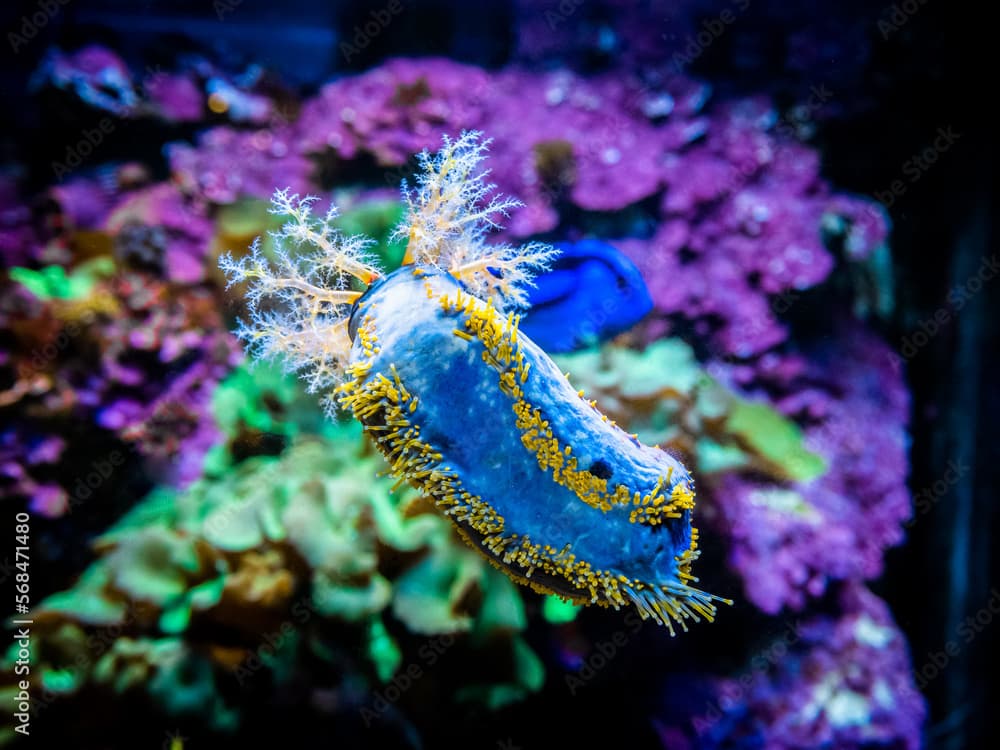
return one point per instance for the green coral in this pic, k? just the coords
(256, 401)
(558, 611)
(317, 530)
(178, 678)
(52, 282)
(665, 396)
(376, 219)
(237, 224)
(528, 677)
(775, 439)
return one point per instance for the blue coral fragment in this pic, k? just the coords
(591, 293)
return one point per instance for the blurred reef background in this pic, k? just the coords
(779, 265)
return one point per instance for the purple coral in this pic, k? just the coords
(395, 110)
(404, 106)
(84, 201)
(742, 206)
(29, 452)
(176, 96)
(162, 350)
(742, 231)
(19, 242)
(22, 457)
(228, 164)
(96, 75)
(162, 356)
(789, 542)
(180, 246)
(834, 682)
(614, 153)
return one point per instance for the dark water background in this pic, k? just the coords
(937, 70)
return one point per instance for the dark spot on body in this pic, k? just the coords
(600, 469)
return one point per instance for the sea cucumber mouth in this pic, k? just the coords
(419, 271)
(352, 321)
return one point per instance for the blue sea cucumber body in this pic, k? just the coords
(476, 415)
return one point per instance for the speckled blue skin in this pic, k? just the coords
(465, 416)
